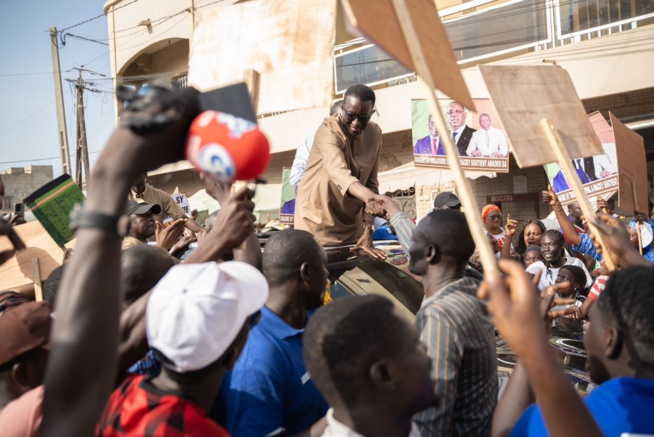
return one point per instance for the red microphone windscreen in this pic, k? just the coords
(226, 147)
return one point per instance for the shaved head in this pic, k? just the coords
(444, 232)
(142, 267)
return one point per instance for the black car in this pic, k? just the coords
(353, 275)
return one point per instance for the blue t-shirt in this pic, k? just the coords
(587, 247)
(621, 405)
(270, 387)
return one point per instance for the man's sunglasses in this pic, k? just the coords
(362, 118)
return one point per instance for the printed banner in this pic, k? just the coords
(478, 136)
(182, 201)
(51, 205)
(598, 174)
(287, 205)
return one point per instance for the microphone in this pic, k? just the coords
(226, 147)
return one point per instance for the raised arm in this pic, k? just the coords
(83, 361)
(514, 309)
(569, 230)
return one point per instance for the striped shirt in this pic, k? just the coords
(403, 230)
(460, 339)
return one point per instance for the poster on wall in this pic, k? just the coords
(598, 174)
(478, 136)
(287, 205)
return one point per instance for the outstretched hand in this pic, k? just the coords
(168, 237)
(365, 243)
(375, 205)
(235, 220)
(615, 236)
(549, 301)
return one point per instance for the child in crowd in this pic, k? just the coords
(576, 277)
(531, 255)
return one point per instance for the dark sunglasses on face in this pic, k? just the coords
(362, 118)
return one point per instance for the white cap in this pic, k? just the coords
(196, 311)
(646, 234)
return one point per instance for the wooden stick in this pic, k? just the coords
(472, 212)
(38, 285)
(573, 180)
(251, 79)
(633, 191)
(638, 225)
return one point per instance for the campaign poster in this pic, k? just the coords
(598, 174)
(478, 136)
(182, 201)
(52, 204)
(287, 206)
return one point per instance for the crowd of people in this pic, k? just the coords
(138, 334)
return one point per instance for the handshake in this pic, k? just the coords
(381, 206)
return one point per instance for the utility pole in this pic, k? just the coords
(62, 136)
(82, 150)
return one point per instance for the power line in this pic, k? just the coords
(95, 18)
(64, 35)
(25, 74)
(41, 159)
(26, 118)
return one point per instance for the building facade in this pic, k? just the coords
(20, 182)
(605, 47)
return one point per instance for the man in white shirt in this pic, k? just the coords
(304, 150)
(487, 141)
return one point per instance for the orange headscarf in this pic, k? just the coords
(487, 210)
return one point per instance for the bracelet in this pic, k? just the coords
(80, 218)
(557, 210)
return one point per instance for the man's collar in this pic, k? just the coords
(459, 130)
(272, 322)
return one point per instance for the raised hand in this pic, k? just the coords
(167, 237)
(549, 197)
(216, 189)
(234, 223)
(617, 240)
(510, 227)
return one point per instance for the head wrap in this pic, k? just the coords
(487, 210)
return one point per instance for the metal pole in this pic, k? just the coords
(62, 136)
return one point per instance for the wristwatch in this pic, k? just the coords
(80, 218)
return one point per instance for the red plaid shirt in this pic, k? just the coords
(138, 408)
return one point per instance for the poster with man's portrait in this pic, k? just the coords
(598, 174)
(478, 136)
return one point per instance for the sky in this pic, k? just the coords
(28, 117)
